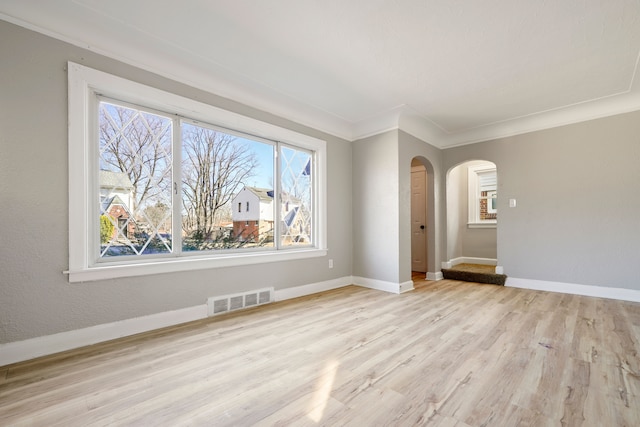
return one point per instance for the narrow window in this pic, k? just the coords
(296, 197)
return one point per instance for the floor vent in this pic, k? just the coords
(226, 303)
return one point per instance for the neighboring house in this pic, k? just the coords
(119, 211)
(116, 184)
(252, 213)
(116, 200)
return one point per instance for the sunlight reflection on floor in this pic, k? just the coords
(323, 391)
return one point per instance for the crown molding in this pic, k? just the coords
(407, 120)
(234, 88)
(255, 95)
(603, 107)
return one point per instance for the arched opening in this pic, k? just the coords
(422, 221)
(472, 214)
(419, 230)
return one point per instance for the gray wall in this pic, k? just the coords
(456, 211)
(577, 188)
(36, 299)
(410, 147)
(375, 207)
(382, 205)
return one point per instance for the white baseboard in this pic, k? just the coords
(313, 288)
(468, 260)
(381, 285)
(406, 287)
(483, 261)
(19, 351)
(435, 276)
(575, 289)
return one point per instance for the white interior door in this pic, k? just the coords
(419, 219)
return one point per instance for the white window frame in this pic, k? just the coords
(473, 181)
(85, 84)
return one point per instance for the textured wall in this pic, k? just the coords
(578, 197)
(456, 210)
(375, 207)
(411, 147)
(36, 299)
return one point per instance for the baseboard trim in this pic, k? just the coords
(435, 276)
(575, 289)
(468, 260)
(312, 288)
(406, 287)
(19, 351)
(381, 285)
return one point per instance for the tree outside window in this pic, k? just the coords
(137, 155)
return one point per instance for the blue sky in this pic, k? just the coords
(263, 176)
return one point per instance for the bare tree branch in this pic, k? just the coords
(214, 168)
(139, 145)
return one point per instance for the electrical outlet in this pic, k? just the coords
(330, 263)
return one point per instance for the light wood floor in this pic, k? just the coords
(447, 354)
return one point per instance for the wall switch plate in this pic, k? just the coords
(330, 263)
(512, 203)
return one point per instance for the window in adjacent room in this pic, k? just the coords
(483, 194)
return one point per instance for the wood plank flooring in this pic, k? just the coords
(447, 354)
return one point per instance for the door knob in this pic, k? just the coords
(422, 227)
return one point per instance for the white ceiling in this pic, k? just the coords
(449, 72)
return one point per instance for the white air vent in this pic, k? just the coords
(226, 303)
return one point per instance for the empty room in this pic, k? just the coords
(332, 213)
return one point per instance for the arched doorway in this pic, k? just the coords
(419, 228)
(472, 216)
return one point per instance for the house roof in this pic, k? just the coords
(110, 179)
(107, 202)
(264, 194)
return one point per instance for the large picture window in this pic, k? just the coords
(163, 183)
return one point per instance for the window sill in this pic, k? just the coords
(102, 272)
(482, 225)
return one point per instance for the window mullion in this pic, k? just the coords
(176, 193)
(93, 208)
(277, 197)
